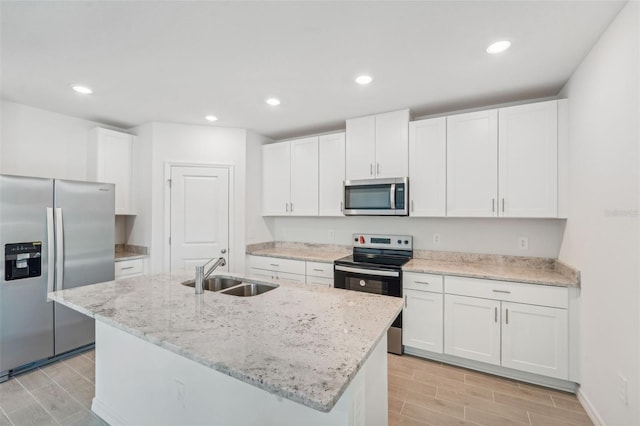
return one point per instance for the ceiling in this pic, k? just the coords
(178, 61)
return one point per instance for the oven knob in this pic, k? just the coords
(406, 241)
(355, 239)
(399, 241)
(361, 239)
(363, 283)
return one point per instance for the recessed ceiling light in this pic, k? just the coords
(211, 118)
(82, 89)
(364, 79)
(273, 101)
(498, 47)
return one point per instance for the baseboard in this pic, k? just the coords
(589, 408)
(106, 414)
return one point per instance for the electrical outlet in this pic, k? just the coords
(436, 239)
(623, 389)
(523, 243)
(180, 393)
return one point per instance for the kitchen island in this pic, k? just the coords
(298, 354)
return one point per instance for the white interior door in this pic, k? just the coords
(199, 216)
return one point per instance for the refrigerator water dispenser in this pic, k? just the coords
(22, 260)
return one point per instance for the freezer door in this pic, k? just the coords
(85, 221)
(26, 318)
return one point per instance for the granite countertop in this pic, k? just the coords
(504, 272)
(300, 251)
(127, 255)
(302, 342)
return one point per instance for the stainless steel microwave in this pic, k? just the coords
(376, 197)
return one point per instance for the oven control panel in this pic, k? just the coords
(402, 242)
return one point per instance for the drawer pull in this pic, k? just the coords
(495, 314)
(319, 270)
(506, 311)
(422, 282)
(405, 300)
(274, 264)
(502, 291)
(127, 267)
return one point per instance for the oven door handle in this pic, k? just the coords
(374, 272)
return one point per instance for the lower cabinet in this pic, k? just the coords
(422, 320)
(128, 268)
(297, 271)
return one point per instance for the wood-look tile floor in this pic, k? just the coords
(57, 394)
(423, 392)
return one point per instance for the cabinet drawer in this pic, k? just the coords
(327, 282)
(277, 264)
(125, 268)
(531, 294)
(292, 278)
(422, 282)
(318, 269)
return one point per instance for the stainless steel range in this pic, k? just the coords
(376, 267)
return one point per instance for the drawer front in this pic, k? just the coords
(318, 269)
(292, 278)
(532, 294)
(422, 282)
(276, 264)
(326, 282)
(128, 267)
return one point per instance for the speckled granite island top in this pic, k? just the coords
(302, 342)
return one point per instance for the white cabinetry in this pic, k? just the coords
(320, 273)
(422, 315)
(110, 160)
(472, 164)
(515, 325)
(290, 178)
(427, 167)
(378, 146)
(275, 269)
(503, 162)
(528, 159)
(331, 174)
(128, 268)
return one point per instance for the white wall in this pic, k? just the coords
(42, 143)
(258, 229)
(163, 143)
(601, 237)
(495, 236)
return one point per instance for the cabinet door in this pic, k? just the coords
(422, 320)
(111, 161)
(428, 167)
(360, 148)
(304, 177)
(535, 339)
(276, 177)
(392, 144)
(528, 159)
(472, 164)
(331, 174)
(472, 328)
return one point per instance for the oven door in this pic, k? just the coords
(387, 282)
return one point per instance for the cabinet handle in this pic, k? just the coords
(405, 300)
(377, 168)
(341, 204)
(421, 282)
(371, 169)
(506, 311)
(291, 207)
(493, 205)
(412, 209)
(495, 314)
(287, 207)
(125, 268)
(319, 270)
(274, 264)
(502, 291)
(503, 205)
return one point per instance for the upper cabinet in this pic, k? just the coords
(528, 160)
(110, 160)
(331, 174)
(427, 167)
(503, 162)
(290, 178)
(377, 146)
(472, 164)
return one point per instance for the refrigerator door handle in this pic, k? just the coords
(50, 251)
(59, 250)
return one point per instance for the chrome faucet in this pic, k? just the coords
(201, 275)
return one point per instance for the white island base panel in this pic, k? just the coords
(139, 383)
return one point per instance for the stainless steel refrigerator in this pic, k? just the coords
(55, 234)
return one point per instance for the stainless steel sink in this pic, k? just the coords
(214, 283)
(249, 289)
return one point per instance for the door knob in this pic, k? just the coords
(223, 251)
